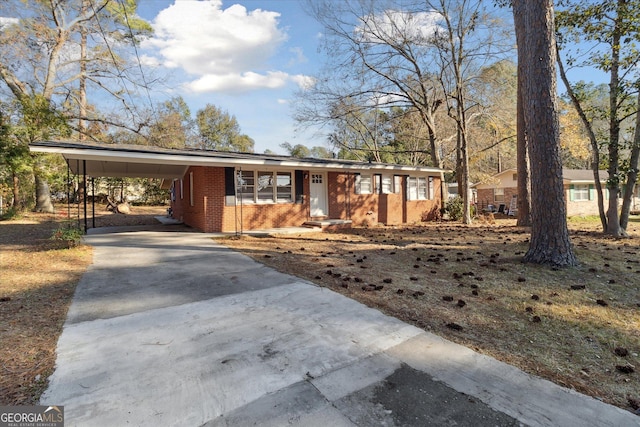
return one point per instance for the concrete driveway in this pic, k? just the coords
(172, 329)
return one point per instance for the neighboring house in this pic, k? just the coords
(215, 191)
(500, 193)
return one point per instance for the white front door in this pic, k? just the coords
(318, 195)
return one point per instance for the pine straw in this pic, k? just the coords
(525, 315)
(37, 281)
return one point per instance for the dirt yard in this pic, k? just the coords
(37, 281)
(578, 327)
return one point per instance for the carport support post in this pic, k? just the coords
(93, 202)
(84, 198)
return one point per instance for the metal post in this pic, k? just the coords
(68, 191)
(93, 202)
(84, 193)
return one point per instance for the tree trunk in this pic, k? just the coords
(17, 201)
(550, 243)
(595, 165)
(43, 195)
(632, 175)
(524, 182)
(613, 183)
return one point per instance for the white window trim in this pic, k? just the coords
(191, 200)
(359, 184)
(579, 189)
(388, 182)
(248, 199)
(421, 188)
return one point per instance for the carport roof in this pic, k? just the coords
(141, 161)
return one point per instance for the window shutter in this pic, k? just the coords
(299, 178)
(229, 181)
(571, 192)
(357, 189)
(592, 192)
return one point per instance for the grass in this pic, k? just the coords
(525, 315)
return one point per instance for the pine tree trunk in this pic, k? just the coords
(17, 200)
(43, 195)
(550, 243)
(524, 182)
(632, 175)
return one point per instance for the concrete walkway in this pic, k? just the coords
(172, 329)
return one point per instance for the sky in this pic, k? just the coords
(248, 57)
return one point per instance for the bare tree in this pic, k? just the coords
(381, 56)
(50, 51)
(413, 55)
(610, 32)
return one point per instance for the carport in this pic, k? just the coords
(87, 161)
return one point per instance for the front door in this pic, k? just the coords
(318, 195)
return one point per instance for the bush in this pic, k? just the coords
(455, 208)
(11, 213)
(69, 234)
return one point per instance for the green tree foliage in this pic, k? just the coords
(298, 150)
(218, 130)
(604, 35)
(172, 124)
(302, 151)
(36, 38)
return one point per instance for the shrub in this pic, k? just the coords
(11, 213)
(454, 208)
(69, 234)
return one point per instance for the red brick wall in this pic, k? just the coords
(209, 212)
(370, 209)
(486, 197)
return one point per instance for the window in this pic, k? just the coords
(498, 194)
(580, 192)
(397, 183)
(387, 184)
(246, 186)
(283, 187)
(515, 177)
(431, 188)
(418, 189)
(363, 184)
(264, 186)
(377, 178)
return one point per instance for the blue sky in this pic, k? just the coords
(247, 57)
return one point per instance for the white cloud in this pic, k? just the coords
(394, 24)
(5, 22)
(225, 50)
(304, 82)
(298, 56)
(239, 82)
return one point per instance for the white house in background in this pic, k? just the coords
(579, 186)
